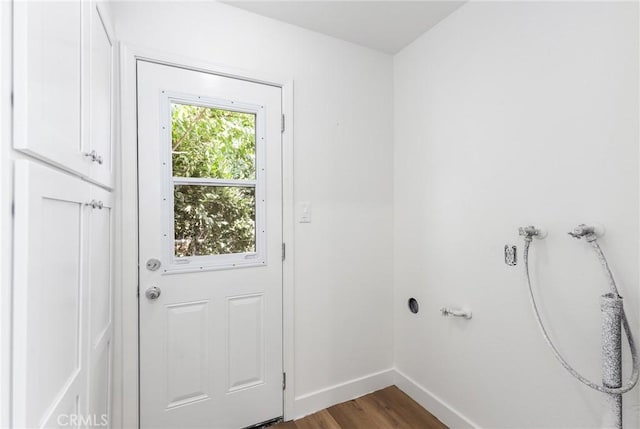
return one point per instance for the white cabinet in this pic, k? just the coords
(101, 99)
(63, 113)
(62, 298)
(63, 92)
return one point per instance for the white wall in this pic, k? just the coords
(343, 166)
(508, 114)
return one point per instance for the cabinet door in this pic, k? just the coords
(48, 73)
(49, 301)
(101, 96)
(100, 305)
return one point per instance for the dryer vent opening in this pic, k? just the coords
(413, 305)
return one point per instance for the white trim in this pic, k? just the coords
(6, 221)
(638, 161)
(342, 392)
(125, 363)
(205, 181)
(126, 370)
(288, 280)
(174, 60)
(436, 406)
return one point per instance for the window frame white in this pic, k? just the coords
(171, 263)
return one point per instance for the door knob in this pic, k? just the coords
(153, 292)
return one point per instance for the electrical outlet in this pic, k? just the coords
(510, 254)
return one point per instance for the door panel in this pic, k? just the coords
(187, 355)
(100, 391)
(48, 68)
(49, 343)
(100, 299)
(100, 276)
(245, 350)
(101, 87)
(211, 342)
(58, 331)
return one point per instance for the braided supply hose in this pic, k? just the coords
(633, 379)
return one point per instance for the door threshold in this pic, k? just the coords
(266, 424)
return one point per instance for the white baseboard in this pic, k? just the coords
(443, 411)
(324, 398)
(332, 395)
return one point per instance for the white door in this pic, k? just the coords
(50, 297)
(210, 222)
(101, 99)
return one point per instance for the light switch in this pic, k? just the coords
(304, 215)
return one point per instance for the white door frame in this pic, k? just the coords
(126, 333)
(6, 198)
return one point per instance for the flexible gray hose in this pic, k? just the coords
(634, 356)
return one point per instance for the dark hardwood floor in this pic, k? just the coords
(389, 408)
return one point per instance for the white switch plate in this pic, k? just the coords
(304, 212)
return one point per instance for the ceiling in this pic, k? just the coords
(387, 26)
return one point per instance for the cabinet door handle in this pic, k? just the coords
(95, 204)
(93, 155)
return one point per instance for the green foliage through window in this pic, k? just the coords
(211, 144)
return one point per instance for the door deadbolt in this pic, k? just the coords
(153, 292)
(153, 264)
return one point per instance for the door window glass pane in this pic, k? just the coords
(214, 220)
(209, 142)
